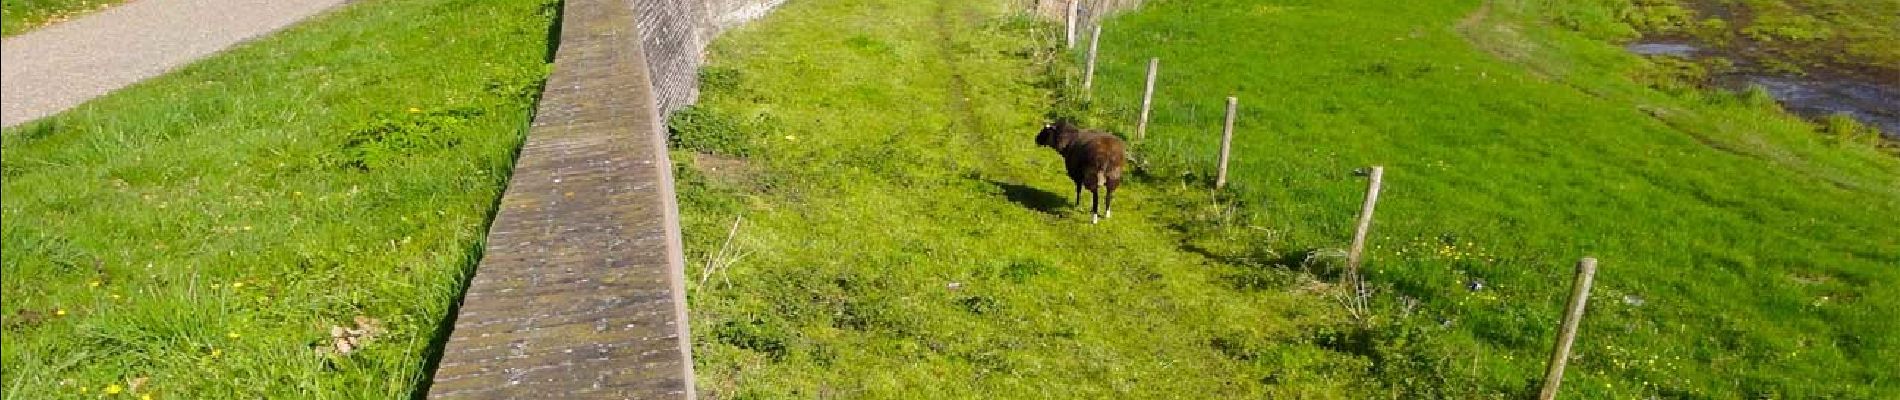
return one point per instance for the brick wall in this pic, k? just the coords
(1089, 11)
(726, 14)
(674, 34)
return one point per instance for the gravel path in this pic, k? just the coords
(54, 68)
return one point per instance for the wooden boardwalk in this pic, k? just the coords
(580, 291)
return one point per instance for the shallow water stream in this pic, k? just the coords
(1815, 95)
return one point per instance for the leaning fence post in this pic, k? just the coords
(1226, 142)
(1359, 234)
(1088, 79)
(1147, 98)
(1074, 7)
(1573, 315)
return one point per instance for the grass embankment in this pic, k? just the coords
(903, 237)
(1823, 39)
(19, 16)
(1743, 254)
(198, 235)
(1792, 36)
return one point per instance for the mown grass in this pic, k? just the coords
(19, 16)
(903, 237)
(199, 234)
(1744, 255)
(900, 237)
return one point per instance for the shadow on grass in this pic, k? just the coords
(432, 357)
(1262, 269)
(1032, 198)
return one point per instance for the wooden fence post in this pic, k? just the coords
(1088, 79)
(1226, 142)
(1567, 333)
(1147, 98)
(1074, 8)
(1359, 234)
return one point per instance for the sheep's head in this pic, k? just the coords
(1055, 134)
(1048, 135)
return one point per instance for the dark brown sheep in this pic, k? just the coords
(1094, 159)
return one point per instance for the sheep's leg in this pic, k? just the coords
(1108, 204)
(1078, 195)
(1095, 205)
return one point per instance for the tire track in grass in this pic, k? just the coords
(959, 100)
(973, 281)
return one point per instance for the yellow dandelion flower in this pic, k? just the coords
(216, 352)
(147, 396)
(114, 389)
(233, 335)
(413, 110)
(60, 312)
(235, 285)
(83, 389)
(115, 296)
(94, 283)
(791, 137)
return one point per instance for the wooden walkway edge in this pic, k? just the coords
(580, 292)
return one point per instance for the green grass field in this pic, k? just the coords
(1744, 255)
(902, 237)
(18, 16)
(199, 234)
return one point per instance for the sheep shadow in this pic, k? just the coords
(1032, 198)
